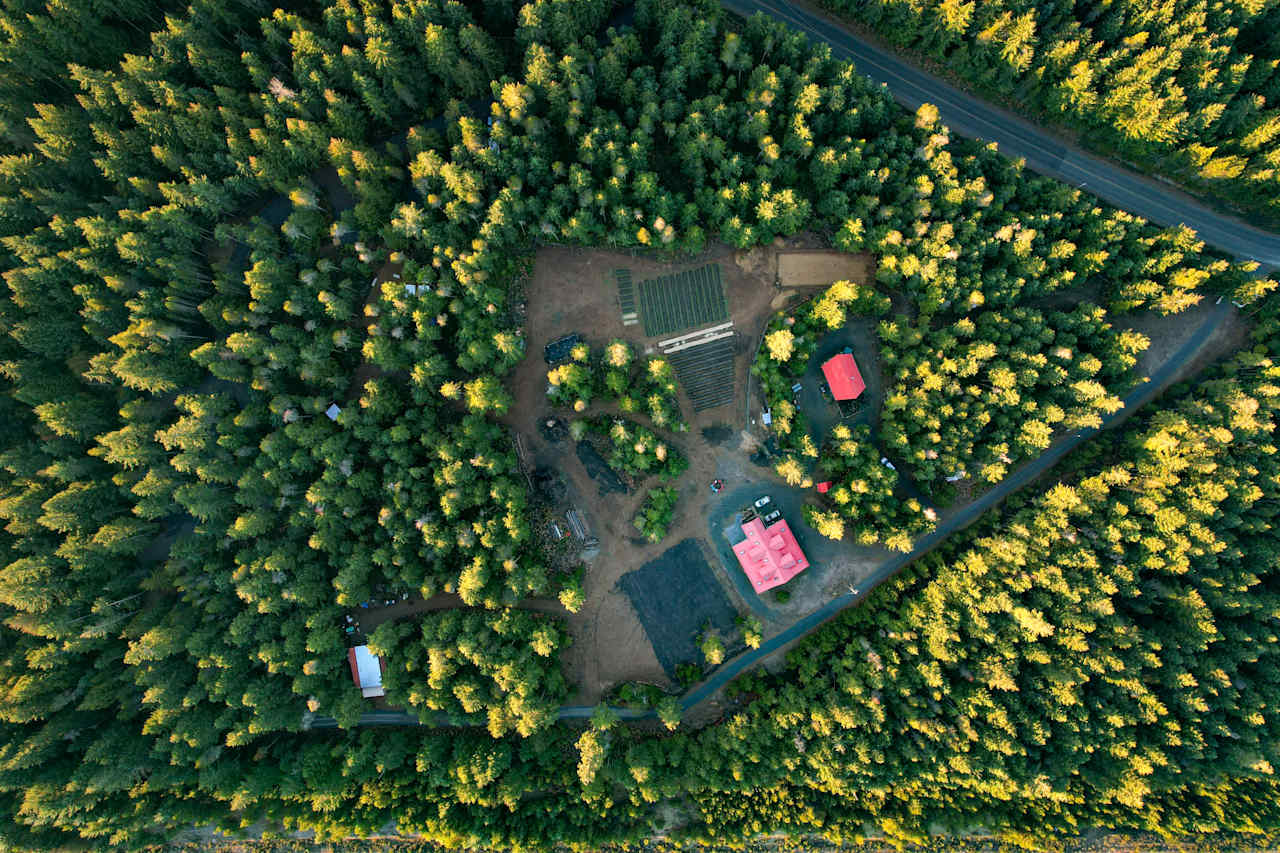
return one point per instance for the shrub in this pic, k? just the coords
(712, 648)
(657, 512)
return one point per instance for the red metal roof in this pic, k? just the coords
(843, 377)
(824, 487)
(770, 556)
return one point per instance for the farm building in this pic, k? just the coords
(770, 556)
(843, 376)
(366, 671)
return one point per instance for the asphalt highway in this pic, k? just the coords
(975, 118)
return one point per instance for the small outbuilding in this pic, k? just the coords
(366, 671)
(843, 377)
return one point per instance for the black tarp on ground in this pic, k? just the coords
(675, 597)
(559, 349)
(607, 480)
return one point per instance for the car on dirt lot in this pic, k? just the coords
(761, 503)
(773, 516)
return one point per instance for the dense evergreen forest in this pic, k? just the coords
(192, 211)
(1184, 88)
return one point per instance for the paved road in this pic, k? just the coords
(970, 116)
(1136, 399)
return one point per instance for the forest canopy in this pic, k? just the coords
(1184, 88)
(218, 436)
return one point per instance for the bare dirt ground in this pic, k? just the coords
(1167, 334)
(813, 268)
(573, 290)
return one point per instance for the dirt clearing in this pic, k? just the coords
(1169, 333)
(808, 268)
(576, 290)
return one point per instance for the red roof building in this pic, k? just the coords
(824, 487)
(843, 377)
(770, 556)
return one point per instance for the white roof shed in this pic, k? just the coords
(366, 671)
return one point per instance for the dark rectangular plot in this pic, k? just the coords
(626, 292)
(706, 373)
(685, 300)
(597, 468)
(667, 296)
(698, 303)
(706, 386)
(676, 596)
(558, 350)
(658, 293)
(696, 375)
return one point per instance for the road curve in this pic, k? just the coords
(1134, 400)
(973, 117)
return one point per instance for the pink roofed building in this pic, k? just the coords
(770, 556)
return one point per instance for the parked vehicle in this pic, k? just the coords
(773, 516)
(762, 502)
